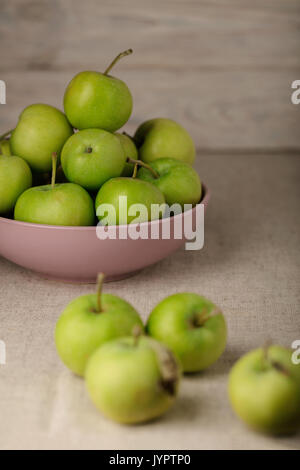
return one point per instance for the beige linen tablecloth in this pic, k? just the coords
(250, 266)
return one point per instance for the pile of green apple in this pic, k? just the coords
(96, 164)
(133, 372)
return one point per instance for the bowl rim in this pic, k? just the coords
(204, 200)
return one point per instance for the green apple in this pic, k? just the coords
(91, 157)
(178, 181)
(122, 194)
(192, 327)
(132, 380)
(41, 130)
(164, 138)
(264, 390)
(88, 322)
(98, 100)
(15, 178)
(56, 204)
(130, 151)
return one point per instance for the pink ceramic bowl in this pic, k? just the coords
(77, 254)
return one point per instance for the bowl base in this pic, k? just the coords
(117, 277)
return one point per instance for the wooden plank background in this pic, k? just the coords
(222, 68)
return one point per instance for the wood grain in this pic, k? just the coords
(72, 33)
(220, 109)
(222, 68)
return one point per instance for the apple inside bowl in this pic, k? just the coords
(78, 254)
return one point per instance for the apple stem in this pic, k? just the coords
(116, 59)
(135, 170)
(275, 364)
(2, 137)
(137, 333)
(200, 319)
(266, 350)
(100, 280)
(54, 165)
(144, 165)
